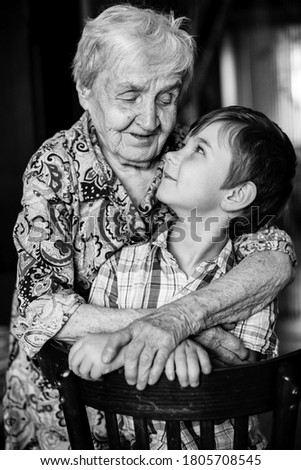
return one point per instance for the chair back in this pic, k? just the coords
(237, 392)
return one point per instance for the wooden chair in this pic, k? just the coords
(236, 392)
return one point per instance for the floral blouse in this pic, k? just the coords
(76, 214)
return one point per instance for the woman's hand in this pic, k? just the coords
(187, 362)
(151, 340)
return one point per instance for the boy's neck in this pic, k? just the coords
(195, 239)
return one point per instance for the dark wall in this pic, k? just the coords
(37, 44)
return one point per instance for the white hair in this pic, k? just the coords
(124, 29)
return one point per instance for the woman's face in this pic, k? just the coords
(133, 109)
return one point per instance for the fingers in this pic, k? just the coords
(170, 367)
(99, 369)
(223, 345)
(193, 363)
(146, 354)
(118, 340)
(204, 360)
(84, 369)
(158, 365)
(191, 359)
(75, 357)
(181, 365)
(144, 364)
(229, 326)
(80, 364)
(131, 361)
(76, 346)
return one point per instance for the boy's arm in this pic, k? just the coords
(243, 291)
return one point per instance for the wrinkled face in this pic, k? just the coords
(194, 175)
(133, 109)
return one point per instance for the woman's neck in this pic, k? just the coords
(197, 239)
(135, 179)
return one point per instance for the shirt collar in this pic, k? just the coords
(96, 176)
(225, 260)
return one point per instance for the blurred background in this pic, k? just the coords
(249, 53)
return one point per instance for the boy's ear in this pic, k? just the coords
(83, 95)
(238, 198)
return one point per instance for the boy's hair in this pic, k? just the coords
(261, 153)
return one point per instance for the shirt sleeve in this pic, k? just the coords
(267, 238)
(43, 239)
(257, 332)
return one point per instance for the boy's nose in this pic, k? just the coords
(172, 157)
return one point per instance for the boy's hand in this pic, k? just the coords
(85, 357)
(187, 362)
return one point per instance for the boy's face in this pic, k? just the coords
(194, 175)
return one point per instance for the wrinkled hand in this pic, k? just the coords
(223, 346)
(187, 361)
(149, 341)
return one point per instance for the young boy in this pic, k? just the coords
(233, 176)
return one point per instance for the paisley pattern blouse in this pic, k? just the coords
(76, 214)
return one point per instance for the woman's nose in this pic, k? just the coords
(148, 117)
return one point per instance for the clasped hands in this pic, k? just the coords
(147, 347)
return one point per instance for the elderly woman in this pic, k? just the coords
(89, 191)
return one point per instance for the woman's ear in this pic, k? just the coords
(239, 197)
(83, 95)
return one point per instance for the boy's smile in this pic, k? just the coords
(166, 175)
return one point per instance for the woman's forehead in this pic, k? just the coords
(126, 75)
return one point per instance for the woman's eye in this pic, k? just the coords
(129, 96)
(165, 99)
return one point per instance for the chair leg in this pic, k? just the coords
(173, 434)
(74, 412)
(286, 413)
(241, 433)
(141, 434)
(113, 431)
(207, 435)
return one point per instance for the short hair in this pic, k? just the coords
(122, 28)
(261, 153)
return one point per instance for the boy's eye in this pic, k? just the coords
(199, 149)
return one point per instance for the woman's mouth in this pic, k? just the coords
(142, 138)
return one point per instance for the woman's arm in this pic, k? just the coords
(90, 318)
(244, 290)
(43, 237)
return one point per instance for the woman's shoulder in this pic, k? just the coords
(64, 156)
(64, 144)
(53, 169)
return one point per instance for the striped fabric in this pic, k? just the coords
(148, 276)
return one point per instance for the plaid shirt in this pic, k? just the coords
(148, 276)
